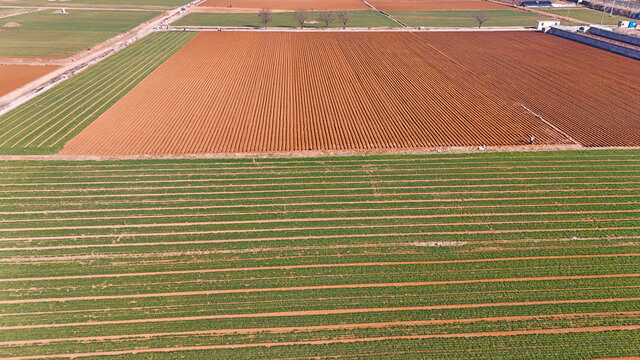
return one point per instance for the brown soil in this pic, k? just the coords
(596, 107)
(259, 102)
(228, 93)
(14, 76)
(419, 5)
(10, 25)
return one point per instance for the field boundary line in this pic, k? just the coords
(557, 129)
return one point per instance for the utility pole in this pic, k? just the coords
(612, 6)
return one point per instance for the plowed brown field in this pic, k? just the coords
(275, 92)
(15, 76)
(588, 93)
(286, 4)
(419, 5)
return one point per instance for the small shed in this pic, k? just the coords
(544, 25)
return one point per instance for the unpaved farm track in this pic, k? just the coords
(234, 92)
(292, 258)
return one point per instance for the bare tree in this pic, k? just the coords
(344, 17)
(265, 16)
(481, 17)
(301, 16)
(327, 16)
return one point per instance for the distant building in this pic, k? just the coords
(536, 4)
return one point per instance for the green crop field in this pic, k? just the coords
(44, 124)
(359, 18)
(465, 18)
(48, 34)
(106, 4)
(584, 14)
(460, 256)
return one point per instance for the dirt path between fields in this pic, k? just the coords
(22, 12)
(284, 330)
(341, 341)
(313, 266)
(316, 287)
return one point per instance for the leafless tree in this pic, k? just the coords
(327, 16)
(344, 17)
(265, 16)
(301, 16)
(481, 17)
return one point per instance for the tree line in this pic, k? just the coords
(303, 16)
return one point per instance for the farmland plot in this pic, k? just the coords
(588, 93)
(498, 256)
(276, 92)
(49, 34)
(15, 76)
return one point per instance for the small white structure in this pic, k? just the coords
(623, 24)
(544, 25)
